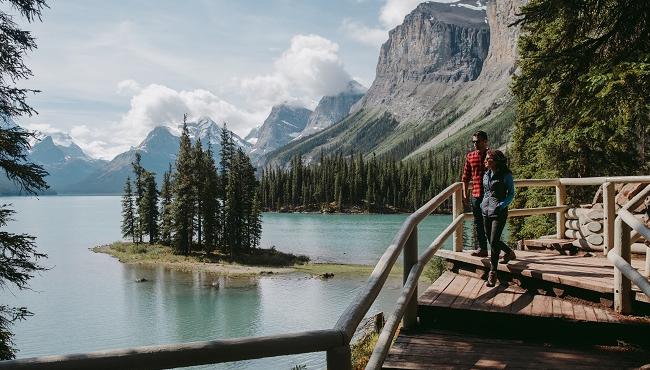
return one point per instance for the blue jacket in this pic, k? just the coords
(499, 191)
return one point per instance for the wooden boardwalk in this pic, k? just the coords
(465, 324)
(594, 273)
(468, 293)
(440, 349)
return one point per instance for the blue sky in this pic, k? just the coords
(112, 70)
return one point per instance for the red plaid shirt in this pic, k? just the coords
(474, 170)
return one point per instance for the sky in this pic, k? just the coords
(110, 71)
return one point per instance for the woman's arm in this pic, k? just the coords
(510, 185)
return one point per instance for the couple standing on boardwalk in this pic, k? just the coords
(493, 190)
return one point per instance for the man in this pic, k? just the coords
(473, 171)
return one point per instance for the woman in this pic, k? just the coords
(499, 191)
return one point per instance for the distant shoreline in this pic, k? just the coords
(157, 255)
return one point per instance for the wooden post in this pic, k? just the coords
(622, 285)
(560, 217)
(647, 262)
(410, 319)
(609, 211)
(457, 210)
(339, 358)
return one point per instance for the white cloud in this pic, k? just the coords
(309, 69)
(128, 87)
(156, 105)
(364, 34)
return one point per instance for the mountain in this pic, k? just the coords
(62, 158)
(284, 123)
(253, 135)
(158, 150)
(442, 74)
(331, 109)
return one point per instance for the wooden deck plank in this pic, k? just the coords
(579, 312)
(567, 310)
(468, 294)
(449, 295)
(590, 314)
(502, 301)
(437, 287)
(522, 304)
(438, 349)
(484, 295)
(556, 304)
(594, 273)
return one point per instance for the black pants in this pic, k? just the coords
(493, 229)
(478, 223)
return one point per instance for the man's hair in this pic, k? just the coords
(482, 135)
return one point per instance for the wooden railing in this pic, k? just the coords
(621, 255)
(406, 306)
(336, 341)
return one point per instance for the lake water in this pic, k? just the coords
(89, 301)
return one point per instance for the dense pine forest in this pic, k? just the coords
(199, 207)
(357, 183)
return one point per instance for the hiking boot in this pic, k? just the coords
(492, 279)
(480, 253)
(509, 257)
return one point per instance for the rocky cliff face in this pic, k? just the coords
(284, 123)
(331, 109)
(438, 48)
(488, 97)
(443, 73)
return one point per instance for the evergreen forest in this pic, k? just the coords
(200, 207)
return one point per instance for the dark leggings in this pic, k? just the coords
(493, 229)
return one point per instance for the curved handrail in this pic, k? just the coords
(187, 354)
(620, 255)
(388, 332)
(354, 313)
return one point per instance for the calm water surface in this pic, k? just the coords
(90, 301)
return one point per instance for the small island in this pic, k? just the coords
(260, 262)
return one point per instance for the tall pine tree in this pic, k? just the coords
(165, 208)
(183, 195)
(128, 212)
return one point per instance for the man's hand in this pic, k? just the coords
(465, 195)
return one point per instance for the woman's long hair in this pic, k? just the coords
(500, 160)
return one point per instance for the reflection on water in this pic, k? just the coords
(90, 301)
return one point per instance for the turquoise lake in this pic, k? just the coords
(89, 301)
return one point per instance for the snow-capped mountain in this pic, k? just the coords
(253, 135)
(331, 109)
(158, 150)
(284, 123)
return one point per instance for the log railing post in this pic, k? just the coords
(647, 262)
(339, 358)
(457, 210)
(622, 285)
(609, 210)
(560, 217)
(410, 319)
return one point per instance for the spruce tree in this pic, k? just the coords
(19, 257)
(165, 208)
(198, 182)
(183, 196)
(128, 212)
(138, 171)
(211, 203)
(149, 206)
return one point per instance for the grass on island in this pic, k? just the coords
(253, 263)
(156, 253)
